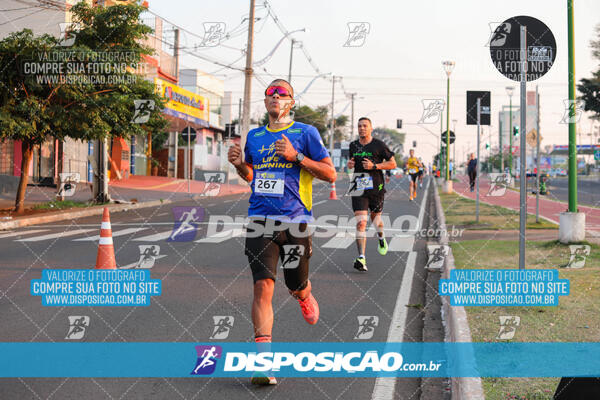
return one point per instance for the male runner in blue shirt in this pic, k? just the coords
(280, 161)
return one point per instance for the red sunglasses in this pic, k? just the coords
(280, 90)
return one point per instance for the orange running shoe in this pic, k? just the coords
(310, 309)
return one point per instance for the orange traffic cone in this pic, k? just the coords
(332, 194)
(106, 250)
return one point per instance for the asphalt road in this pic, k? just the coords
(588, 190)
(205, 278)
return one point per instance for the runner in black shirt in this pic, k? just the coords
(368, 157)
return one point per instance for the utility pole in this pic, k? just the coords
(248, 72)
(537, 161)
(352, 118)
(176, 53)
(291, 56)
(332, 118)
(572, 126)
(500, 145)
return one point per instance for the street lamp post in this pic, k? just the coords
(448, 67)
(572, 222)
(454, 121)
(509, 91)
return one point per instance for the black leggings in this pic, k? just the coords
(472, 176)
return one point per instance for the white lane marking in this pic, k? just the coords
(340, 241)
(422, 210)
(55, 235)
(133, 265)
(384, 388)
(114, 234)
(222, 236)
(155, 237)
(21, 233)
(319, 202)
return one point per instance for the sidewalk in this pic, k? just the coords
(549, 209)
(135, 192)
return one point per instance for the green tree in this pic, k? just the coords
(590, 88)
(33, 110)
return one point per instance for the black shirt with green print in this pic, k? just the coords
(377, 152)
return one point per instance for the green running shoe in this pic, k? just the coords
(360, 264)
(382, 248)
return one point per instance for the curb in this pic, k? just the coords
(455, 320)
(64, 215)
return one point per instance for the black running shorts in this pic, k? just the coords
(373, 202)
(289, 242)
(413, 177)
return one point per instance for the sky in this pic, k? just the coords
(399, 64)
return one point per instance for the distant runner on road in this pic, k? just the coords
(412, 166)
(370, 156)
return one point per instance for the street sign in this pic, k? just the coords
(184, 134)
(597, 154)
(532, 138)
(444, 137)
(505, 48)
(472, 96)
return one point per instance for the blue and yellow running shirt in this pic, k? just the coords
(281, 188)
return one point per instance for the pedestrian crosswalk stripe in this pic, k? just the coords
(222, 236)
(114, 234)
(155, 237)
(401, 243)
(340, 241)
(22, 233)
(135, 264)
(56, 235)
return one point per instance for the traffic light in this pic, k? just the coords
(515, 131)
(414, 143)
(399, 124)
